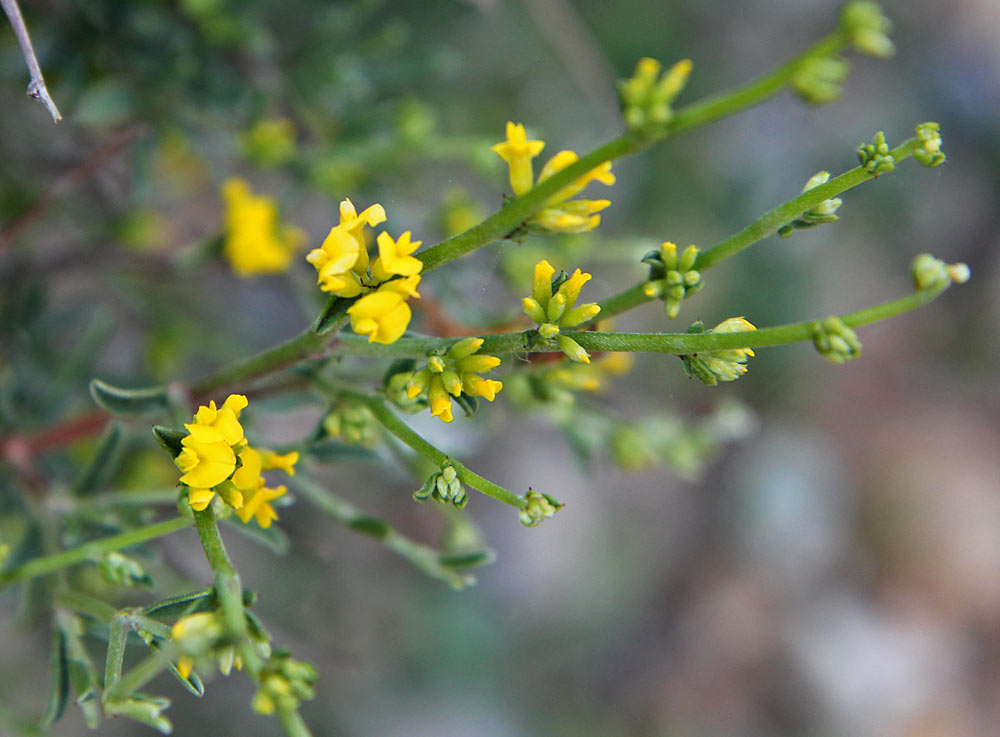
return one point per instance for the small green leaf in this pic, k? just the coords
(59, 688)
(106, 460)
(469, 405)
(192, 683)
(178, 606)
(472, 559)
(371, 526)
(332, 316)
(128, 402)
(169, 439)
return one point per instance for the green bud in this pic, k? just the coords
(932, 273)
(464, 348)
(120, 570)
(867, 28)
(835, 341)
(929, 152)
(547, 331)
(875, 157)
(573, 350)
(820, 79)
(539, 507)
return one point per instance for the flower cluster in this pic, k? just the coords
(201, 636)
(453, 373)
(538, 507)
(646, 97)
(255, 243)
(284, 684)
(929, 151)
(672, 278)
(443, 486)
(216, 459)
(560, 214)
(931, 273)
(728, 364)
(824, 212)
(552, 306)
(344, 270)
(864, 24)
(835, 341)
(875, 157)
(820, 79)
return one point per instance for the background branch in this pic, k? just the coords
(36, 87)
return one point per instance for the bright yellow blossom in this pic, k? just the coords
(452, 374)
(382, 315)
(555, 311)
(258, 506)
(206, 459)
(560, 213)
(343, 257)
(255, 243)
(518, 152)
(394, 257)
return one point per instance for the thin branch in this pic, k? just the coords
(36, 87)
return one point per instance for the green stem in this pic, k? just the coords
(689, 343)
(50, 563)
(88, 605)
(763, 227)
(423, 557)
(117, 638)
(228, 588)
(769, 223)
(753, 93)
(147, 669)
(401, 430)
(622, 302)
(516, 211)
(293, 723)
(281, 356)
(673, 343)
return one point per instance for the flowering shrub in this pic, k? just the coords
(367, 284)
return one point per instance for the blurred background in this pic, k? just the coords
(810, 550)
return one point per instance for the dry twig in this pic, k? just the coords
(36, 87)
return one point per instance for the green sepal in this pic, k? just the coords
(370, 526)
(169, 440)
(142, 708)
(192, 683)
(469, 405)
(59, 686)
(107, 459)
(332, 316)
(472, 559)
(176, 607)
(128, 402)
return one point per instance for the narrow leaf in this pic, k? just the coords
(472, 559)
(106, 461)
(128, 402)
(59, 687)
(169, 440)
(371, 526)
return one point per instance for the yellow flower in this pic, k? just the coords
(553, 312)
(225, 420)
(727, 364)
(258, 506)
(518, 152)
(394, 257)
(384, 314)
(255, 243)
(560, 214)
(452, 374)
(206, 458)
(270, 459)
(343, 258)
